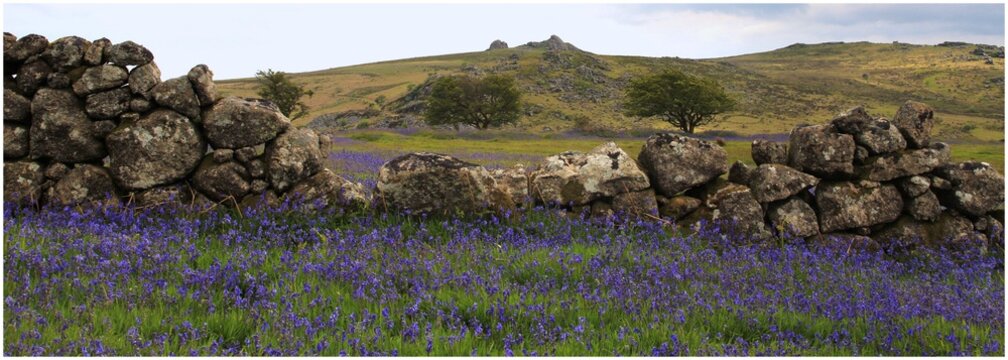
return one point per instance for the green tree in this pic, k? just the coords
(276, 87)
(680, 99)
(491, 101)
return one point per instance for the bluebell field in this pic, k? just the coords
(163, 281)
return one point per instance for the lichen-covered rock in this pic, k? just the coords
(905, 163)
(61, 130)
(772, 182)
(260, 185)
(177, 94)
(99, 78)
(95, 54)
(915, 120)
(223, 155)
(880, 137)
(328, 190)
(794, 217)
(222, 181)
(976, 187)
(56, 171)
(437, 184)
(769, 152)
(234, 123)
(143, 79)
(140, 105)
(201, 79)
(23, 182)
(85, 184)
(924, 207)
(107, 104)
(9, 40)
(821, 151)
(847, 205)
(17, 108)
(26, 47)
(32, 76)
(640, 203)
(853, 121)
(15, 141)
(158, 149)
(128, 53)
(66, 52)
(292, 157)
(735, 207)
(515, 182)
(740, 173)
(256, 168)
(677, 207)
(861, 155)
(949, 230)
(248, 153)
(914, 186)
(676, 163)
(177, 194)
(574, 178)
(848, 243)
(101, 129)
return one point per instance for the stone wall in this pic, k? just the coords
(92, 122)
(89, 122)
(858, 181)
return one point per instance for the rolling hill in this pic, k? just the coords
(566, 88)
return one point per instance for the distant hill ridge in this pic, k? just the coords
(566, 88)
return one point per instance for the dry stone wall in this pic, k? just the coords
(858, 181)
(92, 122)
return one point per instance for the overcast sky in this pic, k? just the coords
(236, 40)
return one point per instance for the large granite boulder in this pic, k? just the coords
(574, 178)
(731, 206)
(428, 183)
(293, 156)
(234, 123)
(640, 203)
(677, 207)
(847, 205)
(17, 108)
(772, 182)
(949, 230)
(977, 188)
(128, 53)
(178, 94)
(158, 149)
(25, 47)
(924, 207)
(877, 136)
(794, 217)
(905, 163)
(769, 152)
(677, 163)
(100, 78)
(821, 151)
(66, 52)
(201, 79)
(915, 120)
(143, 79)
(328, 190)
(15, 141)
(61, 130)
(85, 184)
(515, 182)
(108, 104)
(221, 181)
(23, 182)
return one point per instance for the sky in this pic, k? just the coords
(236, 40)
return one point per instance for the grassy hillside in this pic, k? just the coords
(572, 89)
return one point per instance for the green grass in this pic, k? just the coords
(775, 90)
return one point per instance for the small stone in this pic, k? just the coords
(924, 207)
(768, 152)
(107, 104)
(58, 80)
(94, 55)
(847, 205)
(223, 155)
(143, 79)
(772, 182)
(914, 186)
(915, 120)
(32, 76)
(177, 94)
(22, 182)
(246, 154)
(140, 105)
(677, 207)
(740, 173)
(977, 188)
(56, 171)
(15, 141)
(794, 217)
(639, 203)
(677, 163)
(67, 52)
(16, 108)
(236, 123)
(201, 79)
(821, 151)
(259, 186)
(25, 47)
(222, 181)
(85, 184)
(256, 168)
(100, 78)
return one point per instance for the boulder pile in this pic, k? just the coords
(89, 122)
(858, 181)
